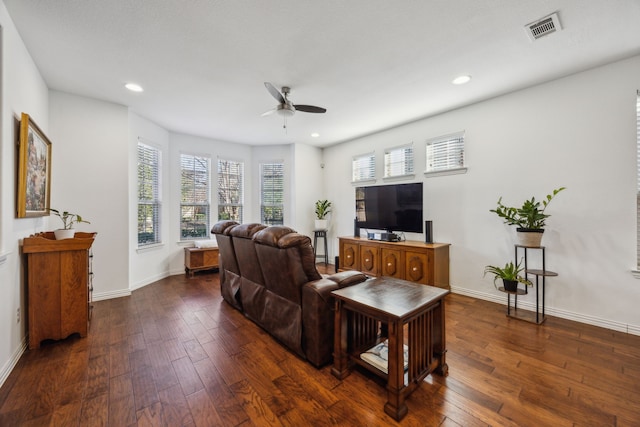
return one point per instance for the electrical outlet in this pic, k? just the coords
(18, 315)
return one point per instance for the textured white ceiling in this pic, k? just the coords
(373, 64)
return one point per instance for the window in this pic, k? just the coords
(148, 195)
(364, 167)
(446, 153)
(230, 190)
(194, 196)
(272, 193)
(398, 161)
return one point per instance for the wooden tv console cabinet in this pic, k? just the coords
(426, 263)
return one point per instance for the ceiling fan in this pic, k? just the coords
(285, 107)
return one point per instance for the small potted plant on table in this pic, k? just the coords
(68, 220)
(323, 208)
(510, 275)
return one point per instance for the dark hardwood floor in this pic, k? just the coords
(174, 354)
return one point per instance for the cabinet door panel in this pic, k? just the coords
(350, 256)
(391, 263)
(369, 259)
(417, 267)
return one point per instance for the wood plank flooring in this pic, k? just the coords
(175, 354)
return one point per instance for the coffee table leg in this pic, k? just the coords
(439, 340)
(340, 368)
(395, 406)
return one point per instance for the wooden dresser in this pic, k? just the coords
(57, 274)
(426, 263)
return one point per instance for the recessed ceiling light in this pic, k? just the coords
(460, 80)
(315, 135)
(134, 87)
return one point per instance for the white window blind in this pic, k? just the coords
(272, 193)
(363, 167)
(230, 190)
(148, 195)
(194, 196)
(398, 161)
(445, 153)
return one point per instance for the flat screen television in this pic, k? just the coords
(392, 208)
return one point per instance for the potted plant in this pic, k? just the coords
(68, 220)
(530, 219)
(510, 275)
(323, 208)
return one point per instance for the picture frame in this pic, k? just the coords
(34, 170)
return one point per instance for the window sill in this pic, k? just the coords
(635, 273)
(149, 248)
(398, 177)
(364, 181)
(457, 171)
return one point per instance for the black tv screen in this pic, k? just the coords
(390, 207)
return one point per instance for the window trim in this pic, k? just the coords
(407, 173)
(262, 203)
(371, 156)
(242, 189)
(157, 202)
(448, 171)
(206, 204)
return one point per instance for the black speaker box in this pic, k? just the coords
(356, 229)
(428, 232)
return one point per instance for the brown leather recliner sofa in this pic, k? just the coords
(269, 274)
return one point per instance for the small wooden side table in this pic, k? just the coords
(196, 259)
(367, 311)
(320, 234)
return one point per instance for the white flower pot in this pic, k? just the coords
(321, 224)
(64, 234)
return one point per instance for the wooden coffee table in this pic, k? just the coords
(377, 310)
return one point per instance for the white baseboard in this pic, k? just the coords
(112, 294)
(13, 361)
(149, 280)
(564, 314)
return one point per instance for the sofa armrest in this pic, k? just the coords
(347, 278)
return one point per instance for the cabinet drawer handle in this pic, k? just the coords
(366, 260)
(415, 268)
(388, 264)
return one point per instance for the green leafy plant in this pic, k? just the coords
(510, 271)
(530, 216)
(68, 219)
(323, 208)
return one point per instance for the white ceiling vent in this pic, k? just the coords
(542, 27)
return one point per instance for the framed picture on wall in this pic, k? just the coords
(34, 170)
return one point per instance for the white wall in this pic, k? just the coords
(22, 90)
(90, 176)
(307, 186)
(578, 132)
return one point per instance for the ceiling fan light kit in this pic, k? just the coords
(285, 107)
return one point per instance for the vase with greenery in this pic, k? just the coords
(529, 219)
(323, 208)
(68, 220)
(510, 275)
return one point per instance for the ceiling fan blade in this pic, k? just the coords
(274, 92)
(310, 108)
(270, 112)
